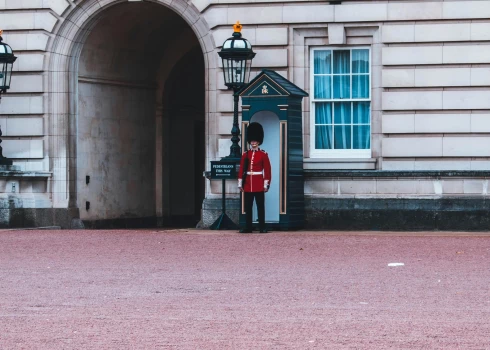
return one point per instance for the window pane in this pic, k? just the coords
(360, 86)
(322, 62)
(362, 137)
(360, 61)
(341, 62)
(341, 86)
(342, 113)
(323, 113)
(342, 137)
(323, 86)
(362, 112)
(323, 137)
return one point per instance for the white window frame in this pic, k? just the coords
(338, 153)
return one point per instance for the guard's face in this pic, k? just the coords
(254, 144)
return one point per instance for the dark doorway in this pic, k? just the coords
(185, 142)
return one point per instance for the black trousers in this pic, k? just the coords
(260, 202)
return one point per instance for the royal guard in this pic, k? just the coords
(254, 177)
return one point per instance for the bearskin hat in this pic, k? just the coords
(255, 132)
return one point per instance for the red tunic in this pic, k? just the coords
(258, 172)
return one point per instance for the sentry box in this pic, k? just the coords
(276, 103)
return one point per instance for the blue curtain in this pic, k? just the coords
(322, 65)
(362, 133)
(342, 125)
(323, 125)
(343, 122)
(360, 73)
(341, 65)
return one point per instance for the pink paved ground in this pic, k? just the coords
(192, 289)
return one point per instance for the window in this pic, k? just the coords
(341, 103)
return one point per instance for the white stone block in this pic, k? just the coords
(225, 124)
(255, 14)
(357, 186)
(21, 21)
(336, 34)
(480, 164)
(22, 105)
(398, 33)
(465, 9)
(215, 16)
(396, 186)
(27, 83)
(201, 4)
(398, 147)
(480, 122)
(26, 41)
(466, 99)
(412, 100)
(398, 77)
(23, 4)
(24, 127)
(28, 62)
(414, 11)
(36, 149)
(44, 20)
(225, 102)
(23, 149)
(452, 186)
(466, 54)
(58, 6)
(326, 186)
(426, 187)
(412, 55)
(465, 146)
(480, 76)
(480, 31)
(398, 123)
(271, 36)
(443, 32)
(307, 13)
(224, 147)
(361, 12)
(398, 164)
(474, 186)
(271, 58)
(442, 123)
(433, 77)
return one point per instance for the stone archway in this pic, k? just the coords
(72, 76)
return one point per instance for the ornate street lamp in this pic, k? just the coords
(237, 55)
(7, 60)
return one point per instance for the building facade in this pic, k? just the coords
(117, 107)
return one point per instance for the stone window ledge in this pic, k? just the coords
(396, 174)
(11, 174)
(339, 163)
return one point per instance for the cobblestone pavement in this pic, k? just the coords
(190, 289)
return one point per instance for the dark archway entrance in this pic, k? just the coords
(133, 66)
(185, 143)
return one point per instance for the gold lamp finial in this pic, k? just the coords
(237, 27)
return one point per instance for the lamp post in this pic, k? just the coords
(7, 60)
(237, 55)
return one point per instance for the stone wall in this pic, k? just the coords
(430, 83)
